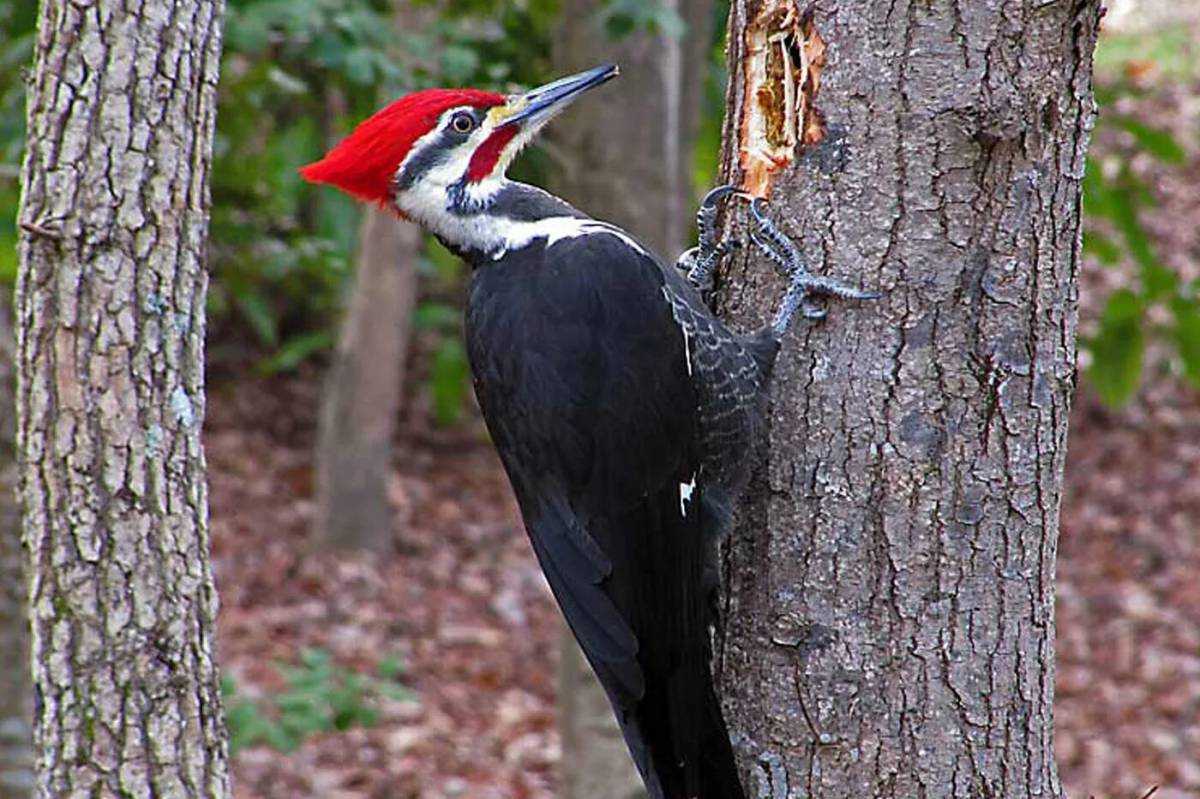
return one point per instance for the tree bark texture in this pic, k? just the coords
(16, 693)
(889, 586)
(627, 153)
(363, 389)
(110, 326)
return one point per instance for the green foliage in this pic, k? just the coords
(1171, 51)
(619, 18)
(1115, 198)
(1118, 348)
(294, 73)
(448, 383)
(707, 152)
(17, 22)
(439, 319)
(296, 76)
(320, 697)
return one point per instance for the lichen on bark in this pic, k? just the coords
(889, 587)
(110, 324)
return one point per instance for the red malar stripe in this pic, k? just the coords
(485, 158)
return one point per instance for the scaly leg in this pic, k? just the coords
(805, 289)
(699, 261)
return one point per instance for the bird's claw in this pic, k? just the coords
(806, 290)
(699, 262)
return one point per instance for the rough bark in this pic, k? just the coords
(363, 389)
(636, 174)
(889, 595)
(110, 398)
(16, 694)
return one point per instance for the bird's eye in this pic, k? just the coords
(463, 123)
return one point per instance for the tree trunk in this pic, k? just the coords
(638, 176)
(110, 398)
(16, 695)
(889, 605)
(635, 174)
(363, 389)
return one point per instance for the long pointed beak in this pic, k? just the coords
(538, 105)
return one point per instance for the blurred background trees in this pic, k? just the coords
(16, 697)
(297, 74)
(626, 158)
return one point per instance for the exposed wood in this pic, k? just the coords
(110, 399)
(889, 605)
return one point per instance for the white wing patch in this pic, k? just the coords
(685, 495)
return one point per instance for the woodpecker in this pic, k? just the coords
(622, 408)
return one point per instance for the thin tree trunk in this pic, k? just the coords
(16, 694)
(631, 149)
(363, 390)
(110, 399)
(636, 174)
(889, 606)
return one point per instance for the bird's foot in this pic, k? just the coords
(806, 292)
(699, 262)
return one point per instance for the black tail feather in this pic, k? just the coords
(680, 743)
(676, 730)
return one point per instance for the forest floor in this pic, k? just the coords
(464, 608)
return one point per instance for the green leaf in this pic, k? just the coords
(1157, 280)
(286, 82)
(448, 382)
(391, 667)
(1154, 141)
(259, 312)
(440, 262)
(359, 66)
(1099, 197)
(458, 63)
(1118, 349)
(436, 316)
(1186, 335)
(296, 350)
(1104, 249)
(619, 18)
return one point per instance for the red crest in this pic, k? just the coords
(364, 163)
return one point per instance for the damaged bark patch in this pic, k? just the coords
(783, 58)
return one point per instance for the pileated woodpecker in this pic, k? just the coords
(622, 409)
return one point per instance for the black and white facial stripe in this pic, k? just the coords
(454, 129)
(492, 215)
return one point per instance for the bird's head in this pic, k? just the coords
(443, 152)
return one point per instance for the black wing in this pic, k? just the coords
(582, 373)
